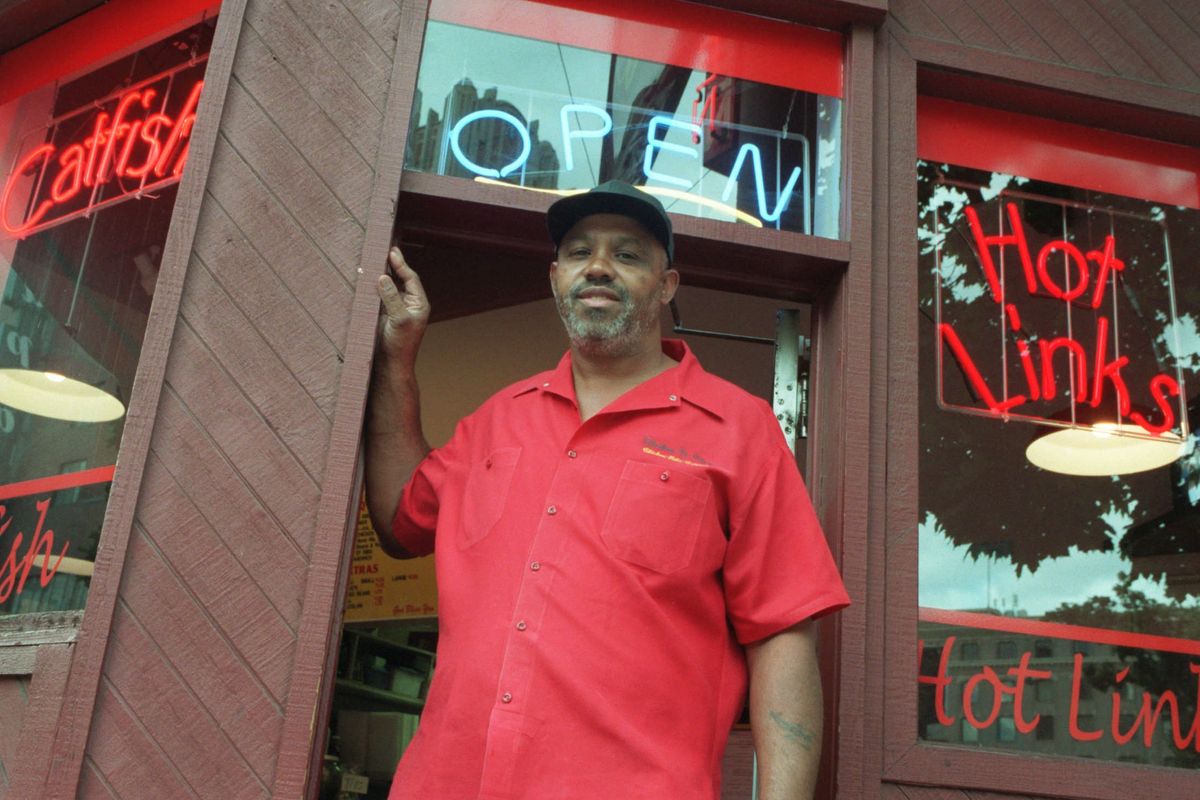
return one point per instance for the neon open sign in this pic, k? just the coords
(1056, 305)
(117, 148)
(667, 161)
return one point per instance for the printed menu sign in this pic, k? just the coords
(382, 587)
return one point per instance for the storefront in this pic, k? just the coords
(954, 246)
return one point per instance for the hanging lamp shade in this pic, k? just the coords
(1098, 442)
(52, 394)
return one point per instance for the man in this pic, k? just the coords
(616, 540)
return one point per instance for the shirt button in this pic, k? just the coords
(672, 398)
(571, 454)
(665, 476)
(552, 510)
(535, 566)
(546, 385)
(506, 697)
(521, 625)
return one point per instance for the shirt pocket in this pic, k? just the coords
(486, 493)
(655, 516)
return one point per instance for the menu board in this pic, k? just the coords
(382, 587)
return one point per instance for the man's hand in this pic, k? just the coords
(405, 312)
(394, 443)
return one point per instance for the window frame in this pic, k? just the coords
(917, 70)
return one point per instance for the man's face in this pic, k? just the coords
(610, 283)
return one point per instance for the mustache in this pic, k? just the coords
(582, 286)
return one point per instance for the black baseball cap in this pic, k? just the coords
(612, 197)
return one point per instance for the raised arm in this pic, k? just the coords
(786, 712)
(394, 443)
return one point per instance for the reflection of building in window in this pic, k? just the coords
(490, 142)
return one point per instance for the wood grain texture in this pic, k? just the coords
(77, 721)
(183, 727)
(14, 697)
(246, 527)
(1060, 35)
(1013, 31)
(326, 81)
(845, 686)
(233, 285)
(32, 763)
(306, 710)
(206, 661)
(281, 243)
(221, 585)
(92, 785)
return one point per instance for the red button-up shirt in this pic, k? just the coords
(595, 580)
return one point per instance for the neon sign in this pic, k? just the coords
(1131, 718)
(14, 569)
(1079, 280)
(685, 160)
(137, 141)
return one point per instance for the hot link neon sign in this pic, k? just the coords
(1132, 718)
(1084, 278)
(600, 124)
(136, 140)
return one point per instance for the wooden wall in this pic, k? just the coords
(201, 659)
(209, 622)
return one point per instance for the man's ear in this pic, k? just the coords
(670, 285)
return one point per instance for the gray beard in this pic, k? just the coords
(593, 331)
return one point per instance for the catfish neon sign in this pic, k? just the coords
(138, 141)
(657, 130)
(1061, 272)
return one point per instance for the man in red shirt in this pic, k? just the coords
(620, 543)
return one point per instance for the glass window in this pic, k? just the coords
(1059, 381)
(90, 169)
(721, 115)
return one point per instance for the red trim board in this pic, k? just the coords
(55, 483)
(113, 28)
(1058, 630)
(952, 132)
(671, 32)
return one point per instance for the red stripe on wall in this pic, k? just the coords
(1058, 630)
(670, 32)
(1060, 152)
(55, 483)
(111, 30)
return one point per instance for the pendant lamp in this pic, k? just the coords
(1100, 442)
(70, 384)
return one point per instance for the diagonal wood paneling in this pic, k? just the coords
(203, 640)
(1144, 40)
(14, 697)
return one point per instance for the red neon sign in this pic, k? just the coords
(1090, 367)
(133, 144)
(1142, 718)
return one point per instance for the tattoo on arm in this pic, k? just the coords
(794, 731)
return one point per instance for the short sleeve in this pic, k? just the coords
(415, 521)
(778, 569)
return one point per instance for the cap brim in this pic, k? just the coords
(563, 215)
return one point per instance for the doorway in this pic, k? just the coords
(487, 333)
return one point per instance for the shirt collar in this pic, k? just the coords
(687, 382)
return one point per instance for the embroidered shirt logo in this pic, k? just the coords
(679, 454)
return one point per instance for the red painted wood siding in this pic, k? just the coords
(200, 656)
(1153, 41)
(14, 697)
